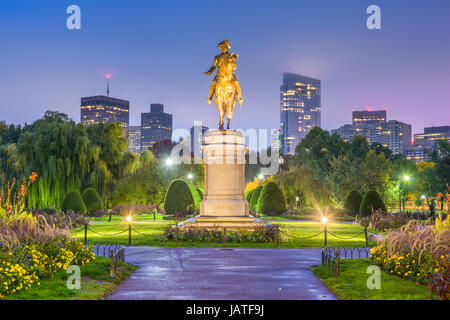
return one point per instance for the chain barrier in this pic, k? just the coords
(288, 235)
(142, 234)
(332, 234)
(76, 230)
(107, 235)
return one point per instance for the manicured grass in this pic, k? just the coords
(142, 217)
(163, 217)
(317, 217)
(96, 284)
(352, 284)
(152, 229)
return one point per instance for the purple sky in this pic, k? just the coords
(157, 51)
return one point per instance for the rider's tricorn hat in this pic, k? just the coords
(224, 43)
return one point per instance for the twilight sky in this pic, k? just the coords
(157, 51)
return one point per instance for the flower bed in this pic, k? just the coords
(263, 234)
(23, 266)
(30, 246)
(419, 253)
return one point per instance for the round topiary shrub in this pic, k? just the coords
(371, 202)
(74, 203)
(271, 200)
(254, 198)
(92, 200)
(353, 202)
(178, 198)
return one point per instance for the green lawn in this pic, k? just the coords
(164, 217)
(96, 284)
(141, 217)
(295, 228)
(351, 284)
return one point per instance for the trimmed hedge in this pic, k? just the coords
(371, 203)
(178, 198)
(201, 192)
(92, 200)
(255, 197)
(271, 200)
(353, 202)
(73, 202)
(196, 196)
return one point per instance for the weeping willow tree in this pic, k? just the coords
(67, 156)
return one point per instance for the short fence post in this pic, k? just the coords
(85, 233)
(154, 215)
(337, 265)
(224, 236)
(365, 234)
(129, 234)
(325, 233)
(176, 240)
(278, 236)
(111, 264)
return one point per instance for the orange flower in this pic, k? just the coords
(33, 176)
(9, 208)
(22, 190)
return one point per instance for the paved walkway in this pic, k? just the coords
(210, 274)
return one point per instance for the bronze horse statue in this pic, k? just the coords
(225, 86)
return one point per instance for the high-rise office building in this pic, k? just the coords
(156, 125)
(392, 134)
(197, 132)
(98, 109)
(368, 116)
(425, 144)
(431, 135)
(134, 139)
(418, 153)
(299, 109)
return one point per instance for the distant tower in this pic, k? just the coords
(108, 76)
(96, 109)
(300, 107)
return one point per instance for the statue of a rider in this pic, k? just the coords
(224, 63)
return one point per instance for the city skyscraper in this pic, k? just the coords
(426, 143)
(368, 116)
(431, 135)
(156, 125)
(374, 126)
(134, 139)
(300, 106)
(105, 109)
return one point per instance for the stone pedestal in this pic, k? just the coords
(224, 204)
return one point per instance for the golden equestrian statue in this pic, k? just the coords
(225, 85)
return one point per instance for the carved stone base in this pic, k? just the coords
(224, 204)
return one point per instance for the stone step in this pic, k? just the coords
(224, 218)
(229, 225)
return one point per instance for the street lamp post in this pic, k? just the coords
(169, 163)
(423, 203)
(401, 198)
